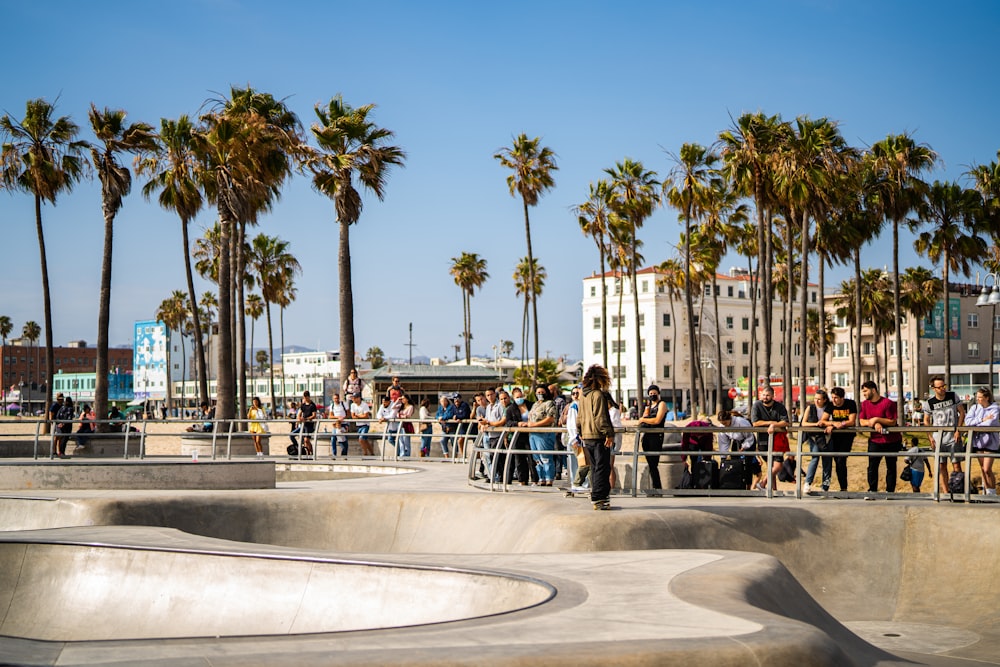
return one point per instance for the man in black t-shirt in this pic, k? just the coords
(307, 420)
(840, 414)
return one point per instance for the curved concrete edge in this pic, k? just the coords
(107, 474)
(146, 590)
(635, 607)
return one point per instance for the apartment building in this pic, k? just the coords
(664, 335)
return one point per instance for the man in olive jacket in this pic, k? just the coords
(597, 432)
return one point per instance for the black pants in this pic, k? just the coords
(600, 469)
(841, 446)
(890, 466)
(653, 442)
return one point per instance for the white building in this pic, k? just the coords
(664, 335)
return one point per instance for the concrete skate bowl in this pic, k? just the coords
(67, 590)
(911, 577)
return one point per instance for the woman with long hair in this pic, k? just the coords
(597, 433)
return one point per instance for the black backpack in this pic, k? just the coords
(956, 482)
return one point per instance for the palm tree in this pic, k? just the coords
(633, 197)
(673, 283)
(687, 190)
(469, 271)
(41, 156)
(954, 239)
(114, 137)
(350, 147)
(748, 150)
(920, 290)
(262, 358)
(274, 268)
(245, 145)
(897, 162)
(507, 347)
(595, 217)
(173, 312)
(529, 280)
(6, 326)
(31, 332)
(285, 293)
(173, 172)
(532, 165)
(209, 305)
(254, 309)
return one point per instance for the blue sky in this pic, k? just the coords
(598, 81)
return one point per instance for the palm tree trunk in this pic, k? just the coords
(618, 356)
(346, 308)
(804, 314)
(673, 374)
(604, 309)
(467, 321)
(225, 383)
(270, 358)
(199, 342)
(766, 241)
(183, 370)
(281, 328)
(947, 319)
(524, 331)
(104, 319)
(253, 321)
(898, 313)
(718, 346)
(700, 374)
(821, 279)
(50, 360)
(754, 366)
(241, 319)
(534, 297)
(689, 304)
(857, 323)
(786, 358)
(638, 333)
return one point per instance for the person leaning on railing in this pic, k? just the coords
(597, 432)
(839, 418)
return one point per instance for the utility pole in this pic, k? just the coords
(410, 344)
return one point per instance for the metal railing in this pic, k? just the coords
(504, 450)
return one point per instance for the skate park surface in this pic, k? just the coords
(373, 568)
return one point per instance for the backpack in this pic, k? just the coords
(956, 482)
(733, 474)
(787, 472)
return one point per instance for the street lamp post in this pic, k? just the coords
(990, 296)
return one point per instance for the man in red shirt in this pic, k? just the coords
(879, 414)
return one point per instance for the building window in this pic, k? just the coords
(746, 371)
(597, 322)
(617, 346)
(798, 349)
(973, 320)
(746, 348)
(930, 348)
(867, 348)
(746, 324)
(729, 321)
(593, 290)
(597, 347)
(840, 350)
(729, 290)
(973, 350)
(697, 321)
(666, 371)
(618, 287)
(645, 286)
(729, 347)
(730, 371)
(813, 296)
(666, 344)
(666, 319)
(618, 372)
(996, 322)
(996, 350)
(840, 379)
(642, 319)
(708, 290)
(617, 322)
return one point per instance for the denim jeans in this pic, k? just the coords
(403, 444)
(817, 451)
(543, 442)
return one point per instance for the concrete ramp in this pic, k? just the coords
(65, 591)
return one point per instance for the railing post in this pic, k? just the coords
(635, 461)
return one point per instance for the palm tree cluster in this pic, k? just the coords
(236, 156)
(813, 199)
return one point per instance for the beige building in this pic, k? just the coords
(970, 327)
(664, 337)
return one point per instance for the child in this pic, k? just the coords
(917, 465)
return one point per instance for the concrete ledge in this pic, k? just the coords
(242, 445)
(140, 475)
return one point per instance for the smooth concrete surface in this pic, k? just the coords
(136, 474)
(894, 572)
(237, 445)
